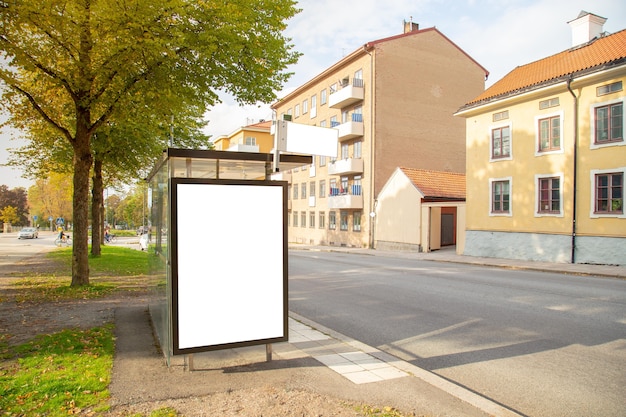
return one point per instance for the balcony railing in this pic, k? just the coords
(348, 198)
(349, 94)
(349, 166)
(281, 176)
(243, 148)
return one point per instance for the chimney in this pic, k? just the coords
(586, 27)
(410, 26)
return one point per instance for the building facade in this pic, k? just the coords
(255, 137)
(546, 156)
(392, 101)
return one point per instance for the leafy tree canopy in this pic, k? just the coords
(76, 65)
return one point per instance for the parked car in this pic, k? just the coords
(28, 233)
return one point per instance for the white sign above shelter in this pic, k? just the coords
(304, 139)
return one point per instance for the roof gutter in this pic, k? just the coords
(575, 156)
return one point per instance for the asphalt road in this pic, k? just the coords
(13, 249)
(542, 344)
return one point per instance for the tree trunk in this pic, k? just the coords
(82, 165)
(96, 208)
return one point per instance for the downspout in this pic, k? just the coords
(372, 205)
(575, 156)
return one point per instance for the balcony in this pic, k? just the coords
(349, 94)
(350, 166)
(350, 198)
(237, 147)
(281, 176)
(352, 128)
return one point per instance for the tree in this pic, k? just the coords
(9, 215)
(17, 199)
(75, 64)
(52, 197)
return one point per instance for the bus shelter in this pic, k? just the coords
(218, 243)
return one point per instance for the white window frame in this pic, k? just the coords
(592, 124)
(497, 214)
(489, 135)
(538, 133)
(558, 175)
(592, 179)
(313, 112)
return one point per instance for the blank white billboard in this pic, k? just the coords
(305, 139)
(230, 272)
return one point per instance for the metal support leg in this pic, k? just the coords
(189, 362)
(268, 352)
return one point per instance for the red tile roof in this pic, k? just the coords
(437, 184)
(260, 125)
(606, 50)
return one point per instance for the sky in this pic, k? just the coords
(499, 34)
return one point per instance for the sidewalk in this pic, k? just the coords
(316, 360)
(449, 255)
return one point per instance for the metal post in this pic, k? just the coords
(268, 352)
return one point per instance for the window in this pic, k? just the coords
(356, 185)
(344, 185)
(323, 97)
(500, 116)
(356, 221)
(343, 225)
(333, 121)
(322, 222)
(312, 188)
(333, 187)
(303, 191)
(501, 142)
(305, 106)
(297, 110)
(332, 220)
(550, 134)
(545, 104)
(322, 188)
(609, 88)
(358, 149)
(250, 141)
(501, 197)
(609, 195)
(609, 123)
(311, 219)
(345, 151)
(333, 88)
(322, 160)
(295, 191)
(549, 195)
(295, 219)
(303, 218)
(313, 106)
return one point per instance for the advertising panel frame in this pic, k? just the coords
(228, 276)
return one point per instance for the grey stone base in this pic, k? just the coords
(546, 247)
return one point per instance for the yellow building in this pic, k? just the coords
(546, 156)
(250, 138)
(392, 101)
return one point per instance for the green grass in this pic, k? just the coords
(117, 268)
(114, 260)
(58, 374)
